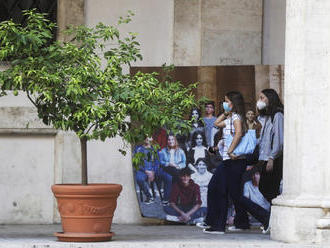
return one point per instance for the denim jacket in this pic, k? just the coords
(179, 157)
(150, 163)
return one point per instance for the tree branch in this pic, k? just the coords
(33, 102)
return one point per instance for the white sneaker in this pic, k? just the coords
(234, 229)
(266, 231)
(202, 225)
(172, 218)
(210, 230)
(198, 220)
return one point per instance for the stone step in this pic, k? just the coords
(141, 236)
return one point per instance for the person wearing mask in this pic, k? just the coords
(227, 178)
(271, 111)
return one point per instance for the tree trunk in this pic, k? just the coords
(84, 177)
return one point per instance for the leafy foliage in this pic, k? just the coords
(73, 90)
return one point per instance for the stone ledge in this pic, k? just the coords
(28, 131)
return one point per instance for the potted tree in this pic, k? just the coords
(80, 85)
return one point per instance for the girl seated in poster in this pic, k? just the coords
(172, 159)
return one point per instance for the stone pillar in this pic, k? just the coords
(69, 12)
(301, 213)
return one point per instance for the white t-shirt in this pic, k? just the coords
(203, 181)
(229, 129)
(172, 151)
(253, 193)
(199, 152)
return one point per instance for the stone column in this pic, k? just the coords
(301, 212)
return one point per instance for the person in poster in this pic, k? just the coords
(209, 120)
(145, 174)
(172, 159)
(202, 178)
(198, 149)
(185, 200)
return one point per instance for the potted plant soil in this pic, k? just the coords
(81, 86)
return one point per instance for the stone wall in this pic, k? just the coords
(217, 32)
(273, 47)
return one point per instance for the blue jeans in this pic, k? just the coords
(162, 176)
(227, 180)
(199, 213)
(142, 181)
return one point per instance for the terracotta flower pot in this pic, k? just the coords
(86, 211)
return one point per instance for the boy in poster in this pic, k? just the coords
(185, 199)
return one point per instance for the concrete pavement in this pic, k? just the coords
(141, 236)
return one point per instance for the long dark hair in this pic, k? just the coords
(199, 121)
(194, 137)
(238, 106)
(274, 103)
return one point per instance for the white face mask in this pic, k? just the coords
(261, 105)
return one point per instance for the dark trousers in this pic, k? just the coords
(227, 180)
(269, 184)
(261, 214)
(162, 176)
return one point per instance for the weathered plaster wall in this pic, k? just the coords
(187, 32)
(231, 32)
(273, 32)
(153, 21)
(27, 171)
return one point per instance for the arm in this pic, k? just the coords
(175, 207)
(277, 140)
(246, 192)
(238, 135)
(187, 216)
(278, 127)
(192, 167)
(219, 122)
(198, 204)
(162, 158)
(193, 210)
(182, 162)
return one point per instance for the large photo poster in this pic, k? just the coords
(177, 169)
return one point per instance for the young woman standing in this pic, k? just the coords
(271, 110)
(227, 179)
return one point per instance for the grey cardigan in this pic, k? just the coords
(271, 139)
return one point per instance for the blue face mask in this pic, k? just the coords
(226, 107)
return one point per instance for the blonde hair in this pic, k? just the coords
(176, 146)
